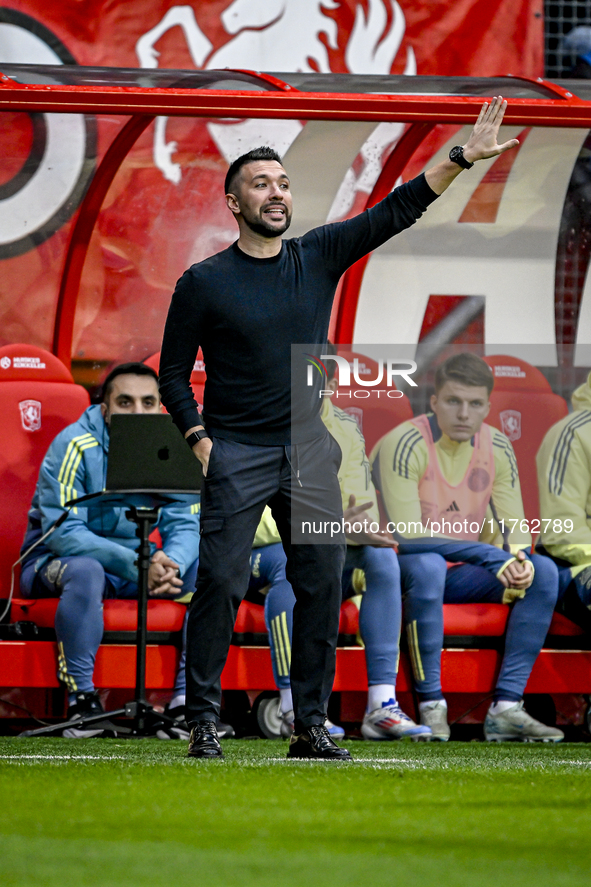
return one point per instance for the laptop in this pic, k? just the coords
(147, 454)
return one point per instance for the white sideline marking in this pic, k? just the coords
(575, 763)
(366, 762)
(65, 757)
(413, 764)
(410, 763)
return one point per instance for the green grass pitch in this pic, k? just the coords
(104, 813)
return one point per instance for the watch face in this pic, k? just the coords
(456, 155)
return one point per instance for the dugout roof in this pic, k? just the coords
(112, 250)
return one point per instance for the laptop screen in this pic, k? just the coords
(147, 453)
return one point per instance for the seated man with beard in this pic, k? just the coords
(91, 555)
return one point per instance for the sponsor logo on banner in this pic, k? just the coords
(22, 363)
(511, 372)
(28, 363)
(30, 414)
(511, 423)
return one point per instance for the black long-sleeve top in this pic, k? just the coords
(245, 313)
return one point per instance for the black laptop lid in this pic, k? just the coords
(147, 453)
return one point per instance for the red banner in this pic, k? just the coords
(463, 37)
(159, 215)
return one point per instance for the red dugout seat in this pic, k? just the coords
(523, 407)
(38, 398)
(118, 615)
(163, 615)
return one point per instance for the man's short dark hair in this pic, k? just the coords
(123, 369)
(467, 369)
(262, 153)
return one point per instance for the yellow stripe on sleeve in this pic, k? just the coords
(70, 465)
(70, 454)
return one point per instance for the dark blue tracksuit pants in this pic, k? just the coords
(82, 584)
(379, 616)
(427, 584)
(241, 480)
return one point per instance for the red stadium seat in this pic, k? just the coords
(524, 407)
(467, 620)
(563, 627)
(118, 615)
(349, 621)
(163, 615)
(375, 412)
(197, 376)
(38, 398)
(250, 619)
(475, 620)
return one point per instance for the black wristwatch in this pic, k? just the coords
(456, 155)
(196, 436)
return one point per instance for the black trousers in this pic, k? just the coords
(298, 482)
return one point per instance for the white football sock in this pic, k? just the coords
(177, 700)
(286, 700)
(379, 695)
(501, 705)
(431, 703)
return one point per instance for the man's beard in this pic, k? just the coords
(259, 226)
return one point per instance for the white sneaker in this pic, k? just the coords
(390, 722)
(334, 731)
(434, 715)
(515, 725)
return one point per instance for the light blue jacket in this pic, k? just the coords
(75, 465)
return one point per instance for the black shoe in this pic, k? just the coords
(181, 729)
(204, 742)
(315, 742)
(87, 703)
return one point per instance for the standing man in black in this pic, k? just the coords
(245, 307)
